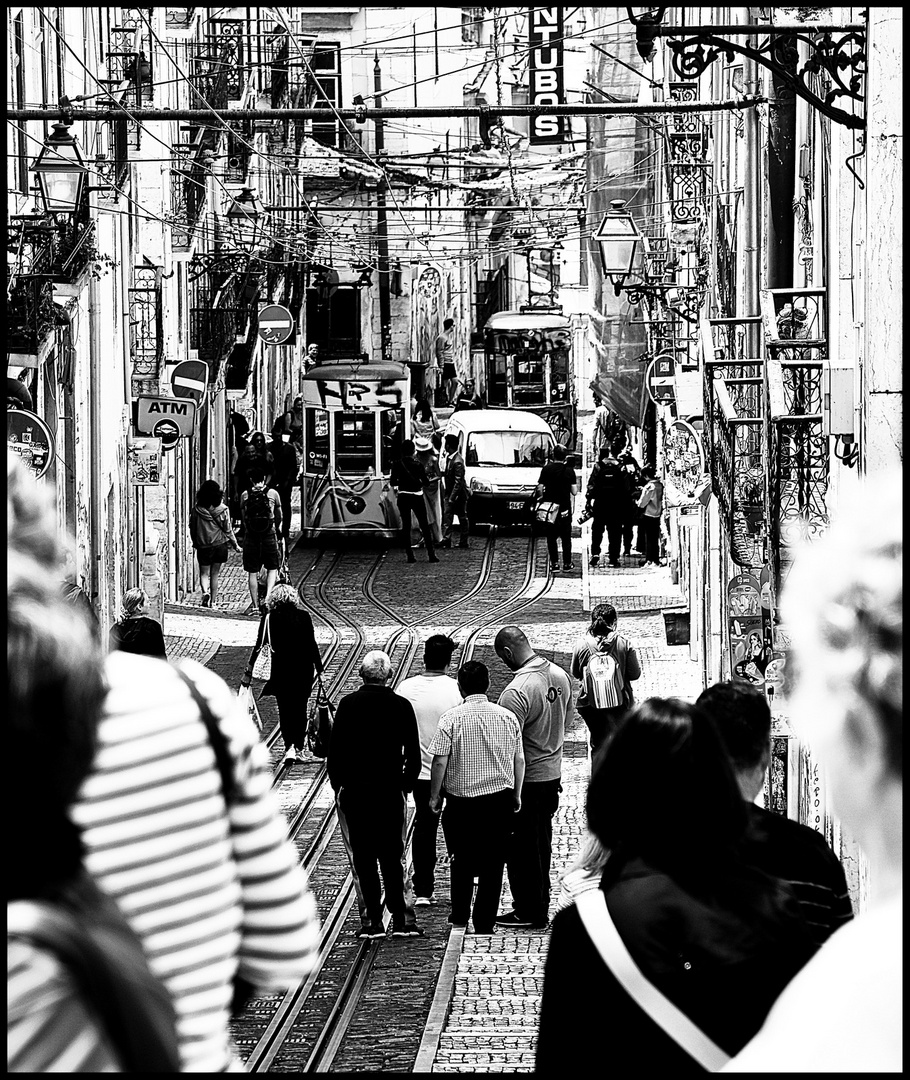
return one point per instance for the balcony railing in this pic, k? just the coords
(145, 321)
(214, 333)
(29, 315)
(795, 323)
(188, 194)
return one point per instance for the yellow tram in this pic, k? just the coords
(355, 416)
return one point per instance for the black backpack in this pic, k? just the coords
(610, 479)
(259, 518)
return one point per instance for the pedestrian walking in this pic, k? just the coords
(558, 483)
(479, 761)
(260, 511)
(456, 494)
(290, 423)
(256, 455)
(431, 694)
(135, 631)
(295, 663)
(606, 664)
(843, 605)
(409, 481)
(211, 532)
(284, 476)
(710, 932)
(426, 451)
(777, 845)
(424, 424)
(180, 828)
(651, 504)
(607, 495)
(632, 470)
(374, 759)
(445, 360)
(467, 397)
(540, 695)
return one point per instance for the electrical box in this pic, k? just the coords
(838, 400)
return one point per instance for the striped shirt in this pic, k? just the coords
(480, 740)
(210, 892)
(50, 1026)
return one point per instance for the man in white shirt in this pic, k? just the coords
(540, 695)
(431, 694)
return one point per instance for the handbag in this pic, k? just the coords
(248, 701)
(546, 512)
(319, 728)
(595, 915)
(262, 668)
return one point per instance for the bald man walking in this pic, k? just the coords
(540, 695)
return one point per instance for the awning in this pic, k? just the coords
(527, 320)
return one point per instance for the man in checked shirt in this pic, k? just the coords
(478, 758)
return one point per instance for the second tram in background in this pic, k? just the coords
(355, 416)
(528, 358)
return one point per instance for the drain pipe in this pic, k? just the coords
(95, 495)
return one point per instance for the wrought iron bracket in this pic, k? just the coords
(840, 55)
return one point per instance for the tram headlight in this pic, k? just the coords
(478, 486)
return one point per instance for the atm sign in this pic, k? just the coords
(151, 410)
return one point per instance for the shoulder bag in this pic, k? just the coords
(319, 728)
(262, 668)
(595, 915)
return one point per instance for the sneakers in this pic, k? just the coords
(513, 919)
(554, 568)
(206, 599)
(372, 931)
(299, 751)
(567, 567)
(399, 929)
(292, 755)
(424, 901)
(595, 561)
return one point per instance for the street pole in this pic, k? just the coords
(382, 230)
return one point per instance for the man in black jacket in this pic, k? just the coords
(284, 476)
(608, 496)
(374, 761)
(783, 848)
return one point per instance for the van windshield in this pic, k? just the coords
(516, 448)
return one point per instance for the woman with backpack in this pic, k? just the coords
(651, 504)
(606, 663)
(211, 532)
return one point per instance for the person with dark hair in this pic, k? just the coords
(290, 424)
(284, 476)
(843, 605)
(558, 483)
(467, 397)
(606, 663)
(256, 455)
(608, 496)
(431, 694)
(651, 504)
(478, 760)
(135, 631)
(540, 695)
(295, 663)
(783, 848)
(211, 531)
(260, 510)
(456, 494)
(445, 359)
(409, 480)
(632, 469)
(713, 934)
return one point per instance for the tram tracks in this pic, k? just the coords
(326, 1042)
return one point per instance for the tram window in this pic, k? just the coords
(317, 441)
(527, 383)
(521, 448)
(355, 442)
(392, 432)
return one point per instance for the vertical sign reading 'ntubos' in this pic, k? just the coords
(546, 73)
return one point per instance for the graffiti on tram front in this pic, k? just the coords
(354, 394)
(335, 503)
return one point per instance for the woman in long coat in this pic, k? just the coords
(295, 662)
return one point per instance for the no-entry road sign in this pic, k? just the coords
(189, 379)
(276, 324)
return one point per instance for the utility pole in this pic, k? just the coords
(382, 230)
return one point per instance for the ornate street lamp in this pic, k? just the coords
(619, 237)
(60, 172)
(246, 220)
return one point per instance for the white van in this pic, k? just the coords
(504, 451)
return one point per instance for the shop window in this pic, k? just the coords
(355, 443)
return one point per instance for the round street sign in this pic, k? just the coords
(276, 324)
(659, 380)
(30, 439)
(189, 379)
(168, 432)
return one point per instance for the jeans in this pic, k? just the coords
(423, 844)
(376, 833)
(529, 850)
(650, 527)
(292, 718)
(561, 529)
(609, 518)
(448, 513)
(479, 830)
(412, 502)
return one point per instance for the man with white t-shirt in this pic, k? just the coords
(431, 694)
